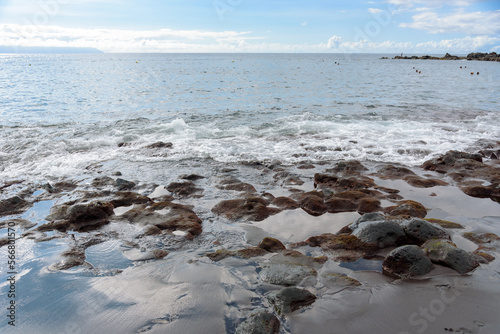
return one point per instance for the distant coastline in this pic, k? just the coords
(493, 56)
(45, 49)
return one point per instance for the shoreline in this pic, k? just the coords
(207, 230)
(478, 56)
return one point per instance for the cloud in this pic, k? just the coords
(458, 45)
(374, 10)
(169, 40)
(475, 23)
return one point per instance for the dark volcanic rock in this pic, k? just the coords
(126, 198)
(348, 168)
(184, 189)
(394, 173)
(446, 253)
(253, 208)
(272, 245)
(124, 184)
(407, 208)
(419, 231)
(419, 182)
(159, 144)
(13, 205)
(337, 204)
(260, 323)
(191, 177)
(380, 234)
(406, 261)
(442, 164)
(368, 204)
(285, 203)
(167, 216)
(290, 299)
(103, 181)
(313, 205)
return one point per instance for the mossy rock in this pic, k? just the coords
(444, 223)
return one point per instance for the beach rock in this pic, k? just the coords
(482, 238)
(17, 223)
(167, 216)
(13, 205)
(406, 261)
(391, 172)
(191, 177)
(285, 203)
(444, 223)
(443, 163)
(285, 273)
(290, 299)
(446, 253)
(124, 184)
(344, 247)
(419, 182)
(252, 208)
(333, 280)
(260, 323)
(184, 189)
(407, 208)
(103, 181)
(348, 168)
(59, 187)
(419, 231)
(337, 204)
(382, 234)
(271, 245)
(152, 230)
(313, 205)
(159, 144)
(127, 198)
(368, 204)
(335, 183)
(85, 217)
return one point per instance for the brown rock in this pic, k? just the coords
(159, 144)
(184, 189)
(407, 208)
(127, 198)
(272, 245)
(418, 182)
(13, 205)
(394, 173)
(444, 223)
(336, 204)
(313, 205)
(253, 208)
(369, 204)
(285, 203)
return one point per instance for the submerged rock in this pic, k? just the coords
(444, 223)
(290, 299)
(81, 217)
(17, 223)
(13, 206)
(406, 261)
(419, 231)
(333, 280)
(482, 238)
(127, 198)
(252, 208)
(446, 253)
(419, 182)
(159, 144)
(167, 216)
(285, 273)
(184, 189)
(261, 322)
(124, 184)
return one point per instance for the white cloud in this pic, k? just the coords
(374, 10)
(168, 40)
(475, 23)
(459, 45)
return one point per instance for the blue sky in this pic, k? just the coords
(412, 26)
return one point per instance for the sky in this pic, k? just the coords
(377, 26)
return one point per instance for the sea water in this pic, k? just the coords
(61, 113)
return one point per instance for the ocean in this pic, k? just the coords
(74, 118)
